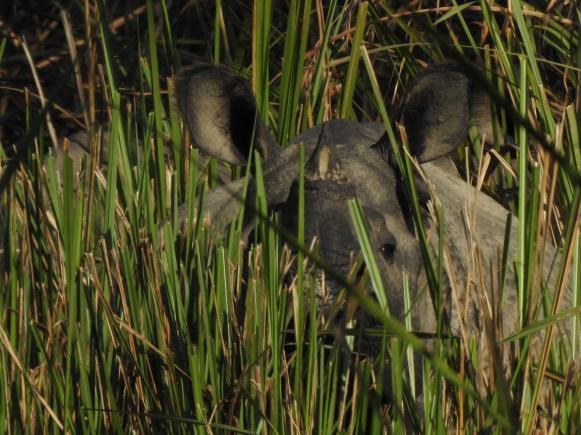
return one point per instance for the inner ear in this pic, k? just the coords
(242, 124)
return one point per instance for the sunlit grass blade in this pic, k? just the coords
(360, 225)
(353, 68)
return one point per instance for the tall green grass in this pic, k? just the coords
(116, 318)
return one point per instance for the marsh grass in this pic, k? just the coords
(116, 318)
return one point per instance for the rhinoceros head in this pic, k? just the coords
(341, 163)
(345, 159)
(346, 163)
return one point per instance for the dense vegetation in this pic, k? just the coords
(114, 318)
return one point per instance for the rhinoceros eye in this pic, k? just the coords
(388, 250)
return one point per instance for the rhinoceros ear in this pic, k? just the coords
(220, 112)
(441, 105)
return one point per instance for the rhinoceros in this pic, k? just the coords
(347, 159)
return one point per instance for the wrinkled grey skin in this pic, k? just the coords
(346, 159)
(77, 150)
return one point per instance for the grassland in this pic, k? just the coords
(116, 318)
